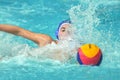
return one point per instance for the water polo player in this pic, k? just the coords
(62, 33)
(40, 39)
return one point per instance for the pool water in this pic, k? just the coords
(95, 21)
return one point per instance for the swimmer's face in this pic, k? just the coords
(64, 33)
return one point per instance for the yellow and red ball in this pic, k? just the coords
(89, 54)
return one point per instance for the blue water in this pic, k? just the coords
(95, 21)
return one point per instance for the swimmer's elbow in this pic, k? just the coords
(18, 32)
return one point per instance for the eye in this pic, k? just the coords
(63, 29)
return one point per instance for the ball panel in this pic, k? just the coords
(78, 59)
(90, 50)
(100, 60)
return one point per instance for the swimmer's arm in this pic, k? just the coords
(40, 39)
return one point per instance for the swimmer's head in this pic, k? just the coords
(62, 32)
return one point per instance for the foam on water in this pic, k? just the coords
(88, 20)
(92, 21)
